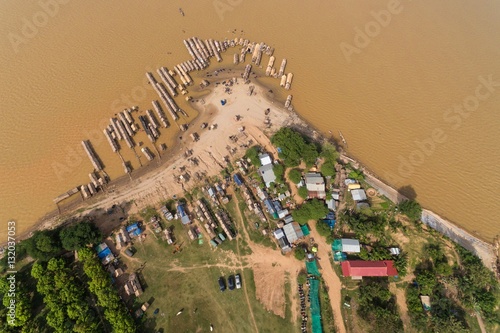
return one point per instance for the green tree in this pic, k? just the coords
(43, 245)
(302, 277)
(311, 210)
(328, 169)
(303, 193)
(329, 153)
(356, 175)
(295, 175)
(294, 147)
(279, 171)
(411, 208)
(79, 235)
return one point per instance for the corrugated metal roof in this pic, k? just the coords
(293, 232)
(369, 268)
(267, 174)
(350, 245)
(358, 195)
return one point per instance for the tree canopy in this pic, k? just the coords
(294, 147)
(411, 208)
(43, 245)
(79, 235)
(311, 210)
(328, 169)
(295, 175)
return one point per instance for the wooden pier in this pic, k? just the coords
(66, 195)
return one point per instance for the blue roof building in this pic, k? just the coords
(237, 180)
(182, 214)
(269, 206)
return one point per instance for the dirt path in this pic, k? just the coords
(480, 322)
(270, 265)
(402, 307)
(330, 277)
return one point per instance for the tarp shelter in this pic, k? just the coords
(223, 101)
(104, 253)
(339, 256)
(305, 229)
(330, 222)
(237, 180)
(315, 307)
(359, 268)
(312, 268)
(134, 230)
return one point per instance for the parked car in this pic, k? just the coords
(222, 284)
(238, 281)
(230, 282)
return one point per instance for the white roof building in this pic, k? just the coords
(350, 245)
(265, 159)
(315, 184)
(358, 194)
(278, 233)
(267, 173)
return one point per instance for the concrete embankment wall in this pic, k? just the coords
(483, 250)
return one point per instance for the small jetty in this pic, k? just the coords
(66, 195)
(92, 155)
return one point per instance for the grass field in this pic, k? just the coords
(188, 280)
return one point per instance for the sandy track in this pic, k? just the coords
(329, 276)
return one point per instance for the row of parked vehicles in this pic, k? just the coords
(233, 281)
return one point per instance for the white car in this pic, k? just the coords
(238, 281)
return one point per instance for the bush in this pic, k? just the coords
(303, 192)
(279, 171)
(299, 253)
(412, 209)
(253, 154)
(295, 175)
(302, 278)
(328, 169)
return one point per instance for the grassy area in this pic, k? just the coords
(327, 321)
(188, 280)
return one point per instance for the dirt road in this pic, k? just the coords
(329, 276)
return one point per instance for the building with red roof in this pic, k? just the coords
(360, 268)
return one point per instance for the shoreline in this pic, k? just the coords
(123, 187)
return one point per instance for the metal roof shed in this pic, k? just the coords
(350, 245)
(265, 159)
(293, 232)
(358, 195)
